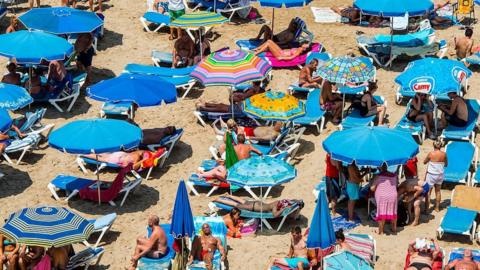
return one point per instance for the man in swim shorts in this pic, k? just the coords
(353, 188)
(204, 247)
(155, 246)
(456, 113)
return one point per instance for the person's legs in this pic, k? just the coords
(337, 111)
(310, 85)
(427, 200)
(351, 208)
(271, 46)
(394, 226)
(438, 197)
(300, 265)
(30, 3)
(266, 32)
(100, 8)
(2, 147)
(207, 259)
(381, 109)
(416, 209)
(90, 4)
(381, 226)
(424, 118)
(218, 172)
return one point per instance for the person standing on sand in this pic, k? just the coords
(436, 162)
(353, 188)
(385, 188)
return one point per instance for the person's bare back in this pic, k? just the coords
(460, 106)
(463, 45)
(160, 238)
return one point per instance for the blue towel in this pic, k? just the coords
(342, 222)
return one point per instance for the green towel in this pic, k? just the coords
(230, 157)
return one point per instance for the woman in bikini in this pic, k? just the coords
(279, 53)
(422, 255)
(421, 110)
(234, 223)
(123, 159)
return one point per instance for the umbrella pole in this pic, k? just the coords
(98, 180)
(273, 19)
(30, 73)
(391, 41)
(343, 104)
(435, 121)
(231, 102)
(261, 209)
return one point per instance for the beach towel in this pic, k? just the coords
(326, 15)
(342, 222)
(362, 247)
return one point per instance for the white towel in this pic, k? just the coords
(325, 15)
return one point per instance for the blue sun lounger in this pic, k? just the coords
(458, 221)
(473, 59)
(158, 71)
(354, 119)
(219, 230)
(460, 155)
(466, 133)
(314, 115)
(85, 258)
(417, 129)
(302, 34)
(214, 206)
(321, 57)
(163, 263)
(161, 20)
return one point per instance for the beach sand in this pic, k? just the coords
(125, 42)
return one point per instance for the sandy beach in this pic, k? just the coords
(125, 42)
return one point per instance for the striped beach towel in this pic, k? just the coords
(362, 247)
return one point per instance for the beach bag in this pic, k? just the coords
(44, 264)
(403, 217)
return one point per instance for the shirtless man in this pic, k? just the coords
(155, 135)
(154, 246)
(421, 254)
(205, 246)
(353, 188)
(8, 254)
(243, 150)
(297, 257)
(414, 191)
(305, 77)
(465, 263)
(455, 114)
(27, 260)
(353, 14)
(183, 51)
(331, 102)
(437, 161)
(464, 45)
(12, 77)
(60, 256)
(283, 38)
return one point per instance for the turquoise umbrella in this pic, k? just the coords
(347, 69)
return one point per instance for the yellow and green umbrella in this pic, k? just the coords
(198, 19)
(272, 105)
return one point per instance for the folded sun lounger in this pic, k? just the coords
(214, 206)
(468, 132)
(461, 156)
(314, 114)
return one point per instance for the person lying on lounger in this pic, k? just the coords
(155, 135)
(306, 78)
(298, 253)
(282, 54)
(368, 105)
(138, 158)
(283, 38)
(234, 223)
(155, 246)
(331, 102)
(456, 113)
(421, 110)
(261, 133)
(353, 14)
(204, 247)
(413, 191)
(465, 263)
(275, 207)
(421, 254)
(12, 77)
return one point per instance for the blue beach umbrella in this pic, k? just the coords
(394, 8)
(321, 234)
(446, 76)
(61, 20)
(143, 90)
(13, 97)
(5, 120)
(31, 47)
(371, 146)
(345, 260)
(95, 136)
(262, 171)
(46, 227)
(182, 218)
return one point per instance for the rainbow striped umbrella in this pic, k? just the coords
(231, 67)
(198, 19)
(46, 227)
(276, 106)
(347, 69)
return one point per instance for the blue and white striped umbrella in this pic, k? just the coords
(13, 97)
(347, 69)
(46, 227)
(261, 172)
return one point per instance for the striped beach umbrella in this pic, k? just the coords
(231, 67)
(46, 227)
(198, 19)
(272, 105)
(347, 69)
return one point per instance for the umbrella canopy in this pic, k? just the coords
(273, 105)
(5, 120)
(46, 227)
(261, 172)
(143, 90)
(61, 20)
(31, 47)
(231, 67)
(198, 19)
(371, 146)
(321, 233)
(13, 97)
(345, 260)
(447, 76)
(394, 8)
(284, 3)
(182, 218)
(95, 136)
(347, 69)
